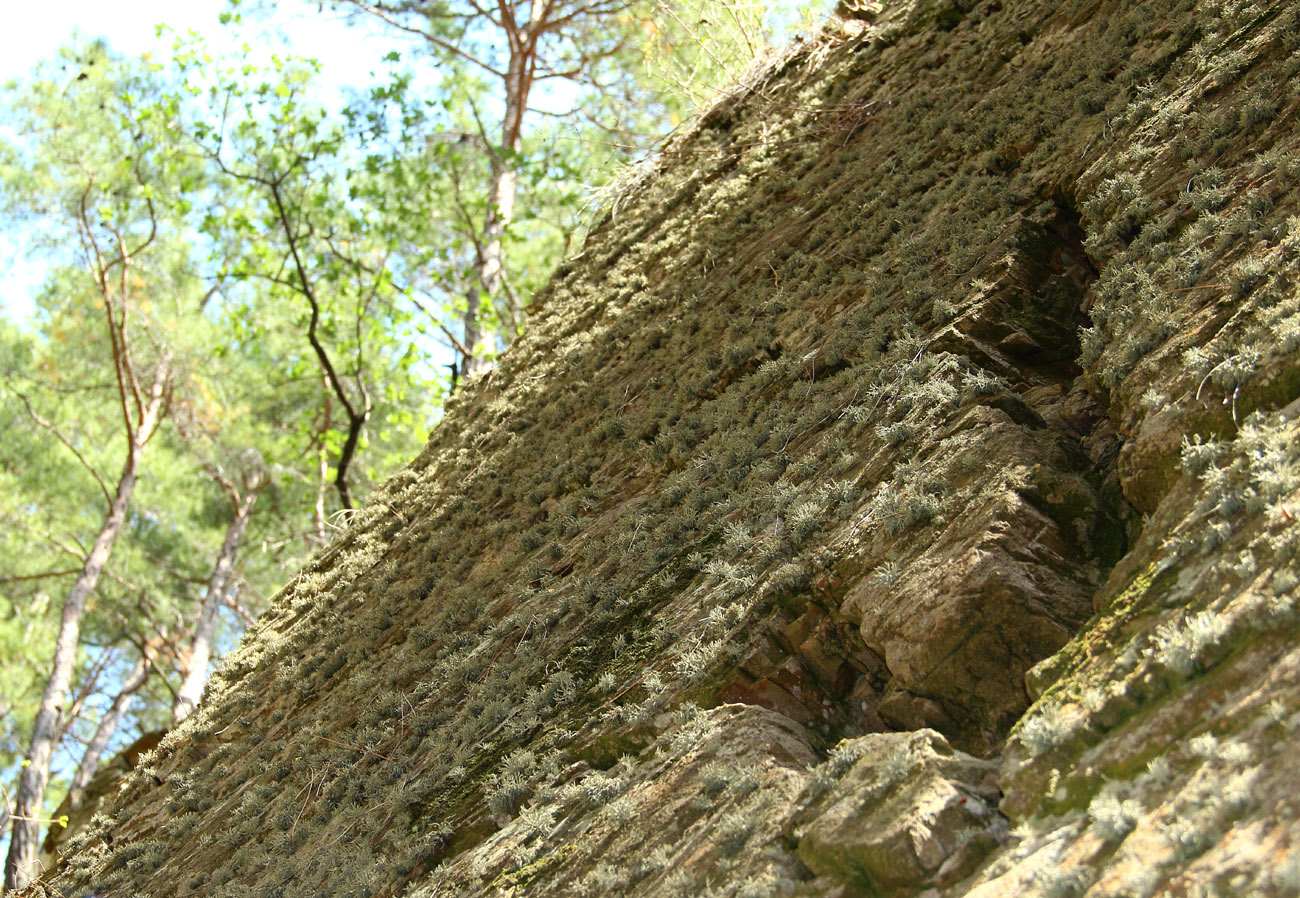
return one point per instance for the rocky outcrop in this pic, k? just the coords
(896, 497)
(909, 811)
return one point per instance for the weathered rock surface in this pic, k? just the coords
(904, 808)
(938, 389)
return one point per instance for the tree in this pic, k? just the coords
(292, 224)
(516, 44)
(242, 490)
(632, 68)
(107, 726)
(104, 180)
(138, 330)
(551, 39)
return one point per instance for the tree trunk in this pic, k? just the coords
(491, 262)
(196, 672)
(502, 187)
(29, 800)
(104, 732)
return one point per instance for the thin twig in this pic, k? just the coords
(364, 751)
(58, 434)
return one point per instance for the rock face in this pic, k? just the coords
(899, 815)
(896, 497)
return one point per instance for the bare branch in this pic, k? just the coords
(44, 576)
(231, 601)
(459, 137)
(119, 326)
(482, 11)
(79, 553)
(209, 464)
(409, 293)
(356, 420)
(58, 434)
(388, 17)
(584, 10)
(456, 343)
(106, 293)
(491, 148)
(513, 305)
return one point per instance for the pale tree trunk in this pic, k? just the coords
(200, 652)
(108, 725)
(318, 519)
(502, 186)
(322, 482)
(491, 262)
(29, 800)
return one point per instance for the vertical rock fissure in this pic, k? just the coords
(1034, 522)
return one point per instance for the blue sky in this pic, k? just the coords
(33, 31)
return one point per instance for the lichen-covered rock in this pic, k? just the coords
(707, 800)
(942, 377)
(904, 808)
(1006, 582)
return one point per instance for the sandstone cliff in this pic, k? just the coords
(897, 496)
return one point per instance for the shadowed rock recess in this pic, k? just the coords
(897, 496)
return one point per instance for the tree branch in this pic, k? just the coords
(387, 17)
(356, 421)
(409, 293)
(44, 576)
(105, 292)
(231, 601)
(47, 425)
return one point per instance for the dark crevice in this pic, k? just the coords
(1070, 526)
(813, 668)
